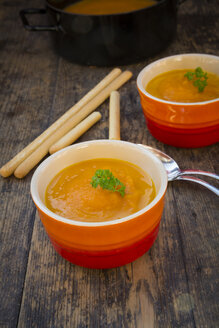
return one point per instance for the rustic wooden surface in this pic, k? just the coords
(175, 283)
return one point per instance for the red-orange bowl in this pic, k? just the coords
(180, 124)
(104, 244)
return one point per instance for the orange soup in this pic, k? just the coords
(71, 195)
(174, 86)
(107, 7)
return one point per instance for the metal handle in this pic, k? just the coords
(33, 11)
(201, 182)
(199, 172)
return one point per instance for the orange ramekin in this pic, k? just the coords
(175, 123)
(101, 244)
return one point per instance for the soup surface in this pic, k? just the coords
(174, 86)
(107, 7)
(71, 195)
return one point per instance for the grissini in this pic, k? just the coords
(114, 116)
(36, 156)
(76, 132)
(7, 169)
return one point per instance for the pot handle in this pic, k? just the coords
(33, 11)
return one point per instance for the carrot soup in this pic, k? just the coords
(107, 7)
(71, 193)
(175, 86)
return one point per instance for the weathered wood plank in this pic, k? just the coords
(26, 75)
(174, 284)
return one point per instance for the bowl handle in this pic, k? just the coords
(33, 11)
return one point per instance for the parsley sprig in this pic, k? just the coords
(106, 180)
(199, 78)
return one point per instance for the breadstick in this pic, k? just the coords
(10, 166)
(36, 156)
(114, 116)
(76, 132)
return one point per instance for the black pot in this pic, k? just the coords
(108, 40)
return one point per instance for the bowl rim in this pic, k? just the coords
(149, 66)
(40, 205)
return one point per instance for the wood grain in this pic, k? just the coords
(175, 283)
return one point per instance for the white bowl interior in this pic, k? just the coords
(96, 149)
(208, 63)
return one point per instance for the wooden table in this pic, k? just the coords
(174, 284)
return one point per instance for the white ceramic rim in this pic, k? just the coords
(148, 67)
(42, 206)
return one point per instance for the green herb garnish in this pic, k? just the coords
(199, 78)
(106, 180)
